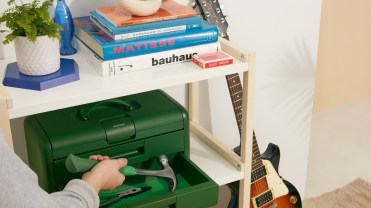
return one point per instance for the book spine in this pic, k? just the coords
(129, 32)
(93, 59)
(147, 61)
(179, 28)
(156, 44)
(102, 22)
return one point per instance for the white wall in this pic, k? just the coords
(285, 36)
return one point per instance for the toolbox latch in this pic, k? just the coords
(119, 129)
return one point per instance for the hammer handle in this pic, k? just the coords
(76, 164)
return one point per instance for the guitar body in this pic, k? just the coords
(285, 195)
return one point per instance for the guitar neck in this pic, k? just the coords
(236, 94)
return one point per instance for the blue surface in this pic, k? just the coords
(68, 72)
(63, 18)
(191, 22)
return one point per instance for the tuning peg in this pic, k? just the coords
(194, 5)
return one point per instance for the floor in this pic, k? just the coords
(340, 149)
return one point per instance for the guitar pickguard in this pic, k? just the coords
(275, 183)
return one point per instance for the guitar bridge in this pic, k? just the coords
(262, 199)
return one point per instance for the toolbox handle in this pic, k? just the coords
(85, 112)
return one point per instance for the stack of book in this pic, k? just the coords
(114, 41)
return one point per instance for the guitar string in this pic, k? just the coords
(236, 88)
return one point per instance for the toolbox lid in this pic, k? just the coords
(150, 113)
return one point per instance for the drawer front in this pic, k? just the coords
(195, 189)
(135, 152)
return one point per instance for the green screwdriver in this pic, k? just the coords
(76, 164)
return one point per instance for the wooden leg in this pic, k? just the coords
(6, 102)
(4, 121)
(194, 101)
(247, 131)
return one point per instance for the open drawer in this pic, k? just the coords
(194, 188)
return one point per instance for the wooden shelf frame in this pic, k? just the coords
(13, 104)
(239, 162)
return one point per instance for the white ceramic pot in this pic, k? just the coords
(37, 58)
(140, 7)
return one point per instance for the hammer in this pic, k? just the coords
(76, 164)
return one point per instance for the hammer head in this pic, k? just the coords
(168, 172)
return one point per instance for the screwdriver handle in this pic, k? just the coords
(76, 164)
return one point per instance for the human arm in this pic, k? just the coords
(20, 186)
(106, 174)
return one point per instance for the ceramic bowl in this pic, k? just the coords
(140, 7)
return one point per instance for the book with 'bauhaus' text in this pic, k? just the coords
(147, 61)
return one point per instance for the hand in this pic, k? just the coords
(106, 174)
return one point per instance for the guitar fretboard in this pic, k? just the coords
(235, 91)
(236, 94)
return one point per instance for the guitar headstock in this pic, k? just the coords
(212, 12)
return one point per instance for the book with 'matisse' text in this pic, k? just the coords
(107, 48)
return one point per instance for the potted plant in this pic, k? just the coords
(35, 35)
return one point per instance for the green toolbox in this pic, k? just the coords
(142, 128)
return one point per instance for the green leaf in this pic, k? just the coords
(30, 20)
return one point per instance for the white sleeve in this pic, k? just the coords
(19, 186)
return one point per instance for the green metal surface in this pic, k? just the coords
(194, 187)
(153, 113)
(154, 125)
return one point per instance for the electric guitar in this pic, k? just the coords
(268, 189)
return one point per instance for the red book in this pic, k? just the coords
(168, 10)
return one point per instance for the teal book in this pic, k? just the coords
(108, 48)
(140, 30)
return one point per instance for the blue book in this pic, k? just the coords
(107, 48)
(138, 30)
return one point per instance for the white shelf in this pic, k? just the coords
(92, 87)
(216, 160)
(212, 163)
